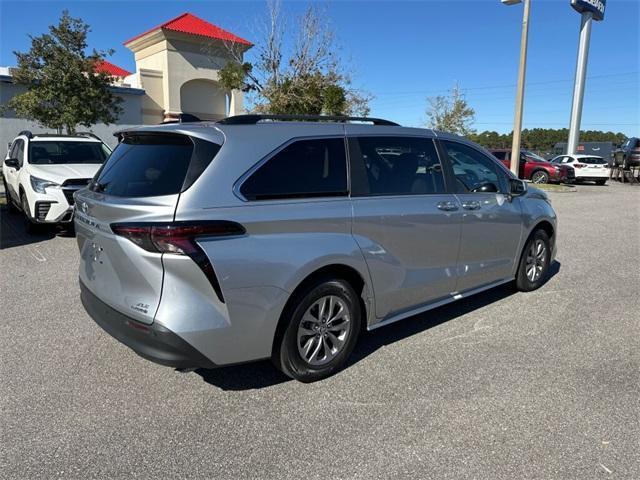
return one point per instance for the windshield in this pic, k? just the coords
(593, 160)
(56, 152)
(535, 156)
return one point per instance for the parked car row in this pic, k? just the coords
(560, 169)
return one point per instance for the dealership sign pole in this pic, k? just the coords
(590, 10)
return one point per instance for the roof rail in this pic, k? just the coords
(27, 133)
(252, 119)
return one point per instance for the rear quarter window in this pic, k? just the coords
(303, 169)
(149, 165)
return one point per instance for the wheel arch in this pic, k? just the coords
(547, 227)
(539, 169)
(334, 270)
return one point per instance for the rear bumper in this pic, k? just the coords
(153, 342)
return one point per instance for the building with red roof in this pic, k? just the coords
(177, 65)
(111, 69)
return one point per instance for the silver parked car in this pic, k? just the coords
(207, 244)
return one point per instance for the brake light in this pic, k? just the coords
(180, 238)
(175, 237)
(579, 165)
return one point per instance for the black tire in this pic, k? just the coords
(286, 355)
(10, 205)
(29, 225)
(601, 181)
(540, 176)
(523, 282)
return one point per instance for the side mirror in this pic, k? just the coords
(487, 187)
(12, 162)
(517, 187)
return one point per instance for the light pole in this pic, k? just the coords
(522, 70)
(589, 10)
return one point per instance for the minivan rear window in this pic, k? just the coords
(149, 165)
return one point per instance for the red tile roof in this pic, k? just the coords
(189, 23)
(111, 69)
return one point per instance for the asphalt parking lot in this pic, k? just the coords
(504, 385)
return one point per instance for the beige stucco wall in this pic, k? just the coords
(179, 73)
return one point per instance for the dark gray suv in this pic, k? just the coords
(208, 244)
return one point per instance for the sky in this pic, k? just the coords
(402, 52)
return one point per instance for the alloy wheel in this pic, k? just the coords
(323, 330)
(536, 260)
(539, 177)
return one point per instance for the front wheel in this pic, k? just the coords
(324, 325)
(601, 181)
(534, 262)
(540, 176)
(29, 225)
(10, 205)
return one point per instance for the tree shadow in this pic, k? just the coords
(263, 374)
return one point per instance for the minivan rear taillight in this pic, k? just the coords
(175, 237)
(180, 238)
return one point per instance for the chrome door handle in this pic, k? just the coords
(447, 206)
(471, 205)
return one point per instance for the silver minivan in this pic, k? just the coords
(207, 244)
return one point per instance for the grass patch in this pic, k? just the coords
(552, 187)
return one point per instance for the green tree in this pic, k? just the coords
(451, 113)
(63, 90)
(306, 79)
(543, 139)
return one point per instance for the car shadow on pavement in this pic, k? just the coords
(263, 374)
(13, 233)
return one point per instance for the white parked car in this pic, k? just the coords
(42, 171)
(587, 167)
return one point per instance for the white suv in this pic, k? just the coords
(41, 173)
(587, 167)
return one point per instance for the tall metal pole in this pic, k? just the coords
(522, 70)
(578, 86)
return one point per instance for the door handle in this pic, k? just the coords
(447, 206)
(471, 205)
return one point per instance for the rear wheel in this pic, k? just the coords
(534, 262)
(323, 328)
(540, 176)
(601, 181)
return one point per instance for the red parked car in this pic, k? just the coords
(535, 168)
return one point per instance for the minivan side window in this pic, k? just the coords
(474, 171)
(395, 166)
(303, 169)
